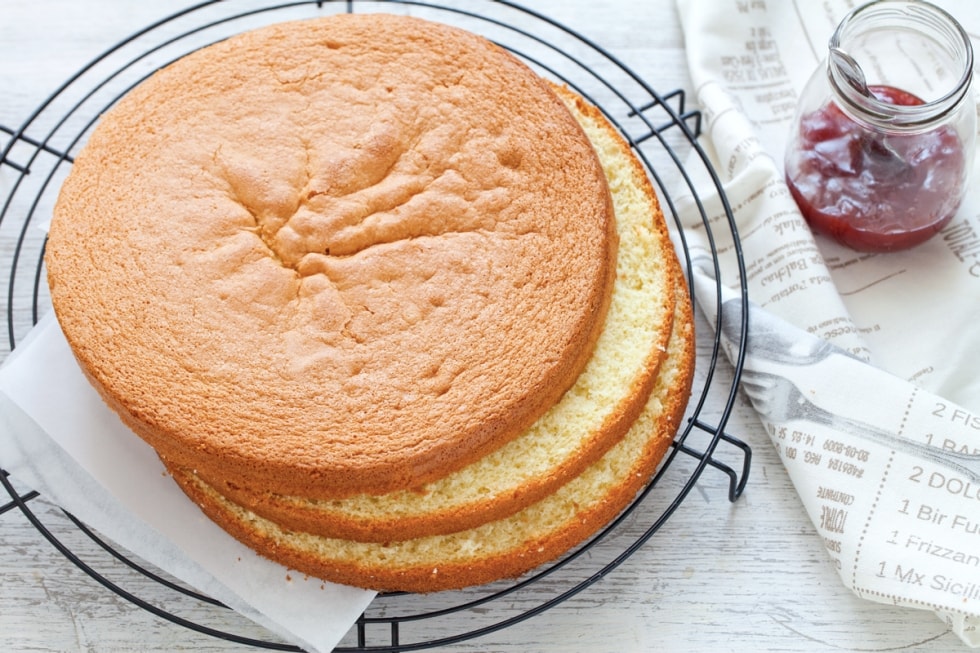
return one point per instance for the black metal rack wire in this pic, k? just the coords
(662, 131)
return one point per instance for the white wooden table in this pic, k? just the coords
(719, 576)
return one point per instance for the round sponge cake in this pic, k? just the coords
(336, 256)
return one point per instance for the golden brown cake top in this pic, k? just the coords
(338, 255)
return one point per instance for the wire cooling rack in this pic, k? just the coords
(38, 154)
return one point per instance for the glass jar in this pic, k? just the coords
(884, 135)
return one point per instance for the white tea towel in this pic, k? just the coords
(862, 367)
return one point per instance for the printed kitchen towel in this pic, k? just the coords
(862, 367)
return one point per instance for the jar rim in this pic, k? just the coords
(921, 13)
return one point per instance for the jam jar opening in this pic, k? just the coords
(880, 151)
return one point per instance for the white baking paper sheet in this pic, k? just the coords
(58, 437)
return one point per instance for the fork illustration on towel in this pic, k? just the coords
(778, 399)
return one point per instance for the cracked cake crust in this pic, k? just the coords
(335, 256)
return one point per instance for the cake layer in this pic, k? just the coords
(336, 256)
(589, 418)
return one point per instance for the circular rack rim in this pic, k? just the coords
(672, 123)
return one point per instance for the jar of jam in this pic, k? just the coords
(883, 140)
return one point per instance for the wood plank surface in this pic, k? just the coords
(719, 576)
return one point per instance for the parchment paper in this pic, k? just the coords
(57, 436)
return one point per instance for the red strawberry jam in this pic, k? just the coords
(873, 191)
